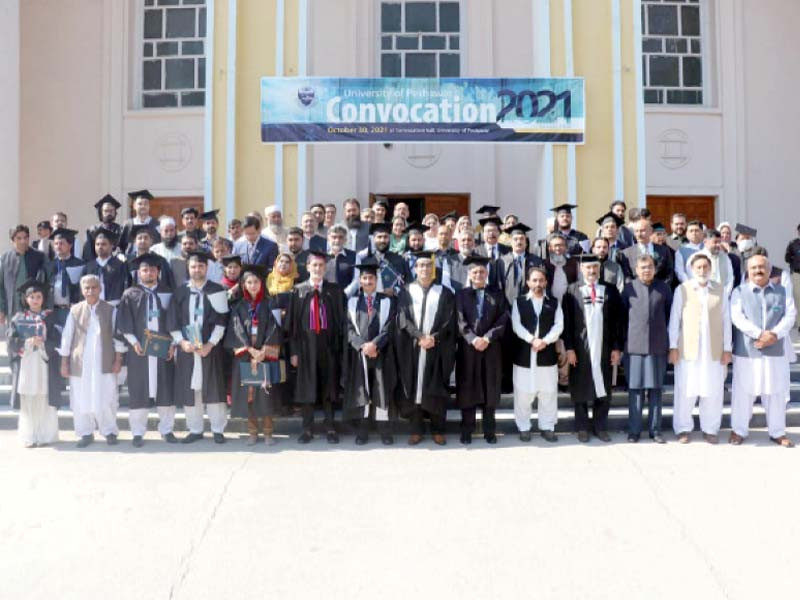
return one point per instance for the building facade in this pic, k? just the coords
(688, 105)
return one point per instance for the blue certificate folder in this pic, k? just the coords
(269, 372)
(156, 345)
(28, 328)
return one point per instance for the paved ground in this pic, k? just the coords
(565, 521)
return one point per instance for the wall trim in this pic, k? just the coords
(208, 117)
(230, 126)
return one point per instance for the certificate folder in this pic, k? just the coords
(264, 373)
(156, 344)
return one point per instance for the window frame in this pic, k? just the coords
(378, 37)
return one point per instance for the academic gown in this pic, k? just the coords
(323, 350)
(132, 320)
(279, 305)
(215, 313)
(239, 335)
(425, 374)
(359, 388)
(88, 253)
(576, 337)
(114, 277)
(55, 383)
(479, 374)
(125, 241)
(75, 269)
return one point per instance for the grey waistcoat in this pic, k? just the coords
(775, 297)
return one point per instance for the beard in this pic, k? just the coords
(171, 243)
(382, 248)
(353, 222)
(275, 228)
(538, 290)
(109, 219)
(558, 260)
(702, 279)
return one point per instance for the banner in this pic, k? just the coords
(329, 109)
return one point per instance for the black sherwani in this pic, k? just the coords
(359, 372)
(113, 275)
(132, 319)
(239, 335)
(439, 360)
(479, 374)
(214, 388)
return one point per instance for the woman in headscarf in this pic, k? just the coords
(255, 337)
(280, 283)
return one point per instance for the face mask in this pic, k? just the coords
(746, 245)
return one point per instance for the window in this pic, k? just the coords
(173, 53)
(420, 39)
(672, 51)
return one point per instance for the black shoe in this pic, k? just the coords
(85, 441)
(490, 438)
(192, 438)
(524, 436)
(361, 440)
(111, 439)
(305, 437)
(549, 436)
(333, 437)
(466, 438)
(138, 441)
(633, 438)
(219, 438)
(387, 439)
(170, 438)
(583, 437)
(603, 436)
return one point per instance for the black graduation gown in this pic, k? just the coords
(165, 275)
(439, 360)
(114, 276)
(126, 243)
(55, 383)
(74, 288)
(88, 253)
(282, 393)
(479, 374)
(383, 369)
(268, 332)
(214, 387)
(132, 319)
(575, 336)
(319, 354)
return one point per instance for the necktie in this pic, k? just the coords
(62, 272)
(369, 306)
(593, 294)
(422, 311)
(494, 252)
(480, 303)
(517, 269)
(315, 316)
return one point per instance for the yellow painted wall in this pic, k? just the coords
(558, 66)
(630, 96)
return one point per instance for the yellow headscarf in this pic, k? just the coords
(277, 283)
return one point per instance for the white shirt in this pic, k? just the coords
(680, 266)
(535, 379)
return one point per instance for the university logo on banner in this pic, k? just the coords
(328, 109)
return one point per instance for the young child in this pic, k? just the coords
(32, 339)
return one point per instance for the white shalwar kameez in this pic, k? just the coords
(766, 376)
(703, 378)
(93, 396)
(536, 381)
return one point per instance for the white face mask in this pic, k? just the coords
(746, 245)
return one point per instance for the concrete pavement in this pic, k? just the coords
(516, 520)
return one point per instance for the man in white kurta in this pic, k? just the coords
(91, 359)
(536, 380)
(700, 348)
(763, 313)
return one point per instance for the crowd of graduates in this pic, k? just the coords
(380, 318)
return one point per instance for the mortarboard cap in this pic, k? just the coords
(423, 254)
(190, 210)
(200, 255)
(319, 254)
(416, 227)
(111, 236)
(137, 229)
(745, 230)
(587, 259)
(487, 209)
(380, 228)
(369, 265)
(67, 234)
(140, 194)
(475, 260)
(44, 225)
(33, 284)
(521, 227)
(151, 259)
(233, 258)
(210, 215)
(260, 271)
(563, 208)
(486, 220)
(659, 227)
(107, 199)
(451, 215)
(610, 216)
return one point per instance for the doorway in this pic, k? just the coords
(699, 208)
(420, 205)
(172, 206)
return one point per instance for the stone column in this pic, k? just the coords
(9, 118)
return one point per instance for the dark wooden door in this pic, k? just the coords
(173, 205)
(699, 208)
(421, 204)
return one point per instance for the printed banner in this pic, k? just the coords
(329, 109)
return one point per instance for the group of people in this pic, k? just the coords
(383, 317)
